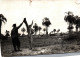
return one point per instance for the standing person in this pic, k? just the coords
(29, 30)
(15, 37)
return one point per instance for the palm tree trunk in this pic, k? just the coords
(46, 31)
(0, 32)
(35, 32)
(39, 32)
(23, 33)
(76, 29)
(0, 29)
(54, 32)
(69, 28)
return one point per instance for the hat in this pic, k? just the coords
(14, 25)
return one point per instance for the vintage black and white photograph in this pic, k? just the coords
(39, 27)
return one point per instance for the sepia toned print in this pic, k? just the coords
(39, 27)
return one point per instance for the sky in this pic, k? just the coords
(16, 10)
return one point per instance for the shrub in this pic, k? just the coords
(71, 37)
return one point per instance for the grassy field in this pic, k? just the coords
(41, 45)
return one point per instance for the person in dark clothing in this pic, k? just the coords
(15, 37)
(30, 32)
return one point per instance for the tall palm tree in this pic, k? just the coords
(46, 22)
(2, 19)
(77, 23)
(39, 28)
(70, 19)
(35, 28)
(44, 30)
(23, 30)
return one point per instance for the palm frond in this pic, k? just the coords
(0, 24)
(2, 17)
(5, 19)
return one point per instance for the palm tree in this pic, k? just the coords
(44, 30)
(23, 30)
(58, 30)
(77, 23)
(54, 30)
(35, 28)
(70, 19)
(39, 28)
(46, 22)
(2, 19)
